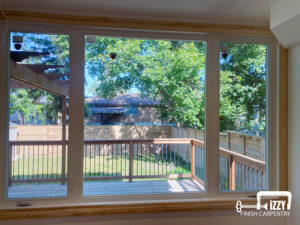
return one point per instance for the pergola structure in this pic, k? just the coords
(29, 76)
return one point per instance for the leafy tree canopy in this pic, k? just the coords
(34, 105)
(170, 72)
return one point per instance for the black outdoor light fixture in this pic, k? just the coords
(224, 51)
(113, 55)
(18, 41)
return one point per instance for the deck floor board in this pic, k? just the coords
(105, 188)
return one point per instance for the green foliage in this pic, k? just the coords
(243, 89)
(34, 105)
(170, 72)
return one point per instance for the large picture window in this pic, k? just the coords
(146, 101)
(160, 116)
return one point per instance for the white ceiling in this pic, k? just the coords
(221, 11)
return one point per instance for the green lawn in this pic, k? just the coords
(50, 167)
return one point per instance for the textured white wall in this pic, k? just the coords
(294, 132)
(285, 22)
(178, 218)
(283, 10)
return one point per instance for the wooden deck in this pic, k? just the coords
(105, 188)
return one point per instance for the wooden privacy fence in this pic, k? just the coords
(253, 146)
(46, 161)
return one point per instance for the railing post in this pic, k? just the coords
(9, 181)
(228, 140)
(244, 144)
(130, 160)
(231, 173)
(192, 159)
(63, 163)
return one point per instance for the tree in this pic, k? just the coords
(243, 88)
(170, 72)
(34, 105)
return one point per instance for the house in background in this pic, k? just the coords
(124, 109)
(229, 19)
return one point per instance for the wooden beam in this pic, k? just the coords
(23, 74)
(41, 68)
(283, 119)
(15, 84)
(54, 76)
(19, 56)
(49, 18)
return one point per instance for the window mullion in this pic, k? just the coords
(4, 54)
(212, 117)
(76, 115)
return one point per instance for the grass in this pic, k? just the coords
(50, 167)
(163, 164)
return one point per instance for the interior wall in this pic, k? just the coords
(294, 132)
(281, 11)
(174, 218)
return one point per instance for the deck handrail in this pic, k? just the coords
(232, 157)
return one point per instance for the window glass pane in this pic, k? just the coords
(243, 113)
(130, 110)
(39, 67)
(140, 96)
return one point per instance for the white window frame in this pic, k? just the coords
(76, 115)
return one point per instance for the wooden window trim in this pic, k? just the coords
(51, 18)
(205, 205)
(283, 119)
(105, 209)
(118, 208)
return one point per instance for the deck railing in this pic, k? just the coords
(140, 159)
(37, 161)
(240, 172)
(46, 161)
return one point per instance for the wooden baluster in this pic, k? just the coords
(33, 153)
(231, 173)
(18, 154)
(112, 160)
(193, 159)
(63, 164)
(244, 176)
(94, 151)
(10, 165)
(52, 163)
(121, 171)
(103, 157)
(130, 160)
(154, 157)
(221, 172)
(228, 140)
(244, 144)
